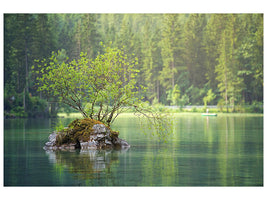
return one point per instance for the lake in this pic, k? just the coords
(226, 150)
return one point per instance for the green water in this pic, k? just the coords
(202, 151)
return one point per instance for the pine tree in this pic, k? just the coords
(250, 56)
(231, 84)
(212, 38)
(151, 62)
(171, 50)
(194, 52)
(90, 38)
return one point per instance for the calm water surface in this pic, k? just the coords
(202, 151)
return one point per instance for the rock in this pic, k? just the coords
(99, 128)
(52, 138)
(85, 134)
(100, 136)
(49, 144)
(120, 143)
(52, 141)
(108, 137)
(88, 145)
(108, 142)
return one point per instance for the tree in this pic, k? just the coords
(222, 52)
(210, 96)
(107, 83)
(99, 89)
(250, 56)
(194, 52)
(18, 46)
(223, 72)
(175, 97)
(151, 59)
(229, 76)
(90, 37)
(171, 50)
(212, 38)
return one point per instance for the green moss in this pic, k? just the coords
(79, 129)
(114, 133)
(62, 138)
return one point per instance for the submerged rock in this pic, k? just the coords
(85, 134)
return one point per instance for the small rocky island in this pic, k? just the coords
(85, 134)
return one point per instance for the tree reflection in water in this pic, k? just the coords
(84, 164)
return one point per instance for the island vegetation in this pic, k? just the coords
(181, 59)
(108, 82)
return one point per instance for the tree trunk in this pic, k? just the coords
(158, 90)
(173, 73)
(24, 99)
(225, 75)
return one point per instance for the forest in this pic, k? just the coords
(183, 59)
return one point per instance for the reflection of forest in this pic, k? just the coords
(203, 151)
(208, 152)
(84, 163)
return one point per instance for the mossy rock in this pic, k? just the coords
(85, 134)
(78, 130)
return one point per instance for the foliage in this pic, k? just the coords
(171, 49)
(59, 126)
(108, 81)
(14, 105)
(183, 100)
(198, 52)
(210, 96)
(256, 107)
(194, 52)
(158, 107)
(159, 123)
(37, 107)
(175, 95)
(99, 89)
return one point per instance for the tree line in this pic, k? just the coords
(183, 59)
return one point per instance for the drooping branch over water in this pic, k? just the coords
(157, 123)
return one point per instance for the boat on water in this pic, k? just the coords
(209, 114)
